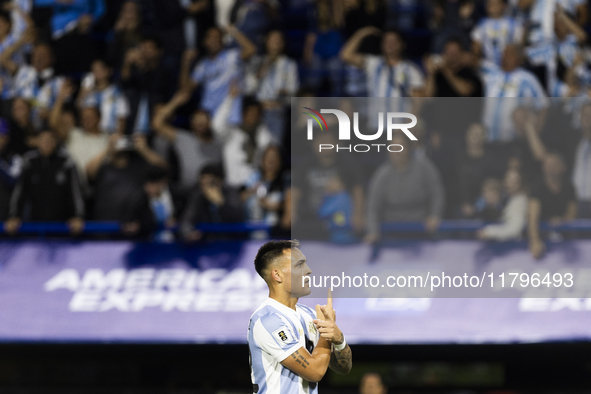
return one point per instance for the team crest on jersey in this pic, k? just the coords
(282, 336)
(312, 328)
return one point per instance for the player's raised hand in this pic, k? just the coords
(326, 325)
(322, 310)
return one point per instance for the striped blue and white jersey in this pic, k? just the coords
(274, 333)
(494, 34)
(549, 54)
(396, 82)
(505, 91)
(217, 74)
(26, 85)
(541, 21)
(384, 80)
(281, 78)
(111, 102)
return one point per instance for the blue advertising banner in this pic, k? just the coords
(140, 292)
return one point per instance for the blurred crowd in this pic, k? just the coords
(165, 114)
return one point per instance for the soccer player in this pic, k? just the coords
(291, 346)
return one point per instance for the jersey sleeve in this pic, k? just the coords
(276, 337)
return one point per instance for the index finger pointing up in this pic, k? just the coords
(329, 302)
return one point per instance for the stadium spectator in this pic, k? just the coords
(146, 82)
(388, 75)
(98, 90)
(268, 191)
(489, 204)
(532, 138)
(372, 383)
(10, 169)
(13, 41)
(360, 14)
(336, 211)
(448, 76)
(553, 200)
(128, 32)
(151, 211)
(406, 188)
(218, 70)
(452, 19)
(511, 86)
(243, 145)
(309, 188)
(48, 189)
(320, 57)
(558, 54)
(212, 202)
(477, 163)
(82, 144)
(514, 215)
(495, 32)
(194, 149)
(38, 81)
(22, 130)
(273, 79)
(118, 173)
(451, 74)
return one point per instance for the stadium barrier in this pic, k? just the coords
(447, 226)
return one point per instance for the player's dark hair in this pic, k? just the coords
(271, 251)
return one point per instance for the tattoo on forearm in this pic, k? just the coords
(341, 362)
(300, 359)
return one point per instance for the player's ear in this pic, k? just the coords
(277, 275)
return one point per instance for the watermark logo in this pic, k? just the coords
(345, 124)
(310, 124)
(391, 119)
